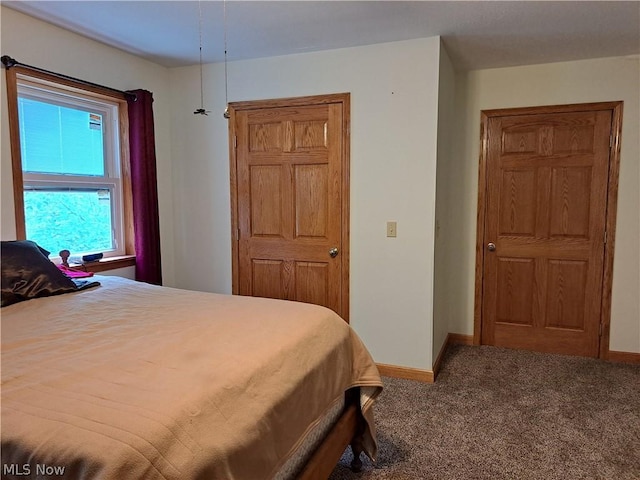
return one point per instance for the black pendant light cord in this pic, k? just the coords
(201, 110)
(226, 113)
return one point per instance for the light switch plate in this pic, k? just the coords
(392, 229)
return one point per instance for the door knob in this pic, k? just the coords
(333, 253)
(491, 247)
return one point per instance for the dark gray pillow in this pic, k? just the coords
(28, 273)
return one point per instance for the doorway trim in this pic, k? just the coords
(610, 219)
(345, 100)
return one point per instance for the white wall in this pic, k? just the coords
(596, 80)
(444, 288)
(40, 44)
(394, 102)
(126, 272)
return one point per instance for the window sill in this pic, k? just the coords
(109, 263)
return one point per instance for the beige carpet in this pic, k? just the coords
(495, 414)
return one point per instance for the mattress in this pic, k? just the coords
(130, 380)
(310, 441)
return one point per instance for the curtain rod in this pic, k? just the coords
(9, 62)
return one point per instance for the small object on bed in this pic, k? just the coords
(72, 272)
(68, 270)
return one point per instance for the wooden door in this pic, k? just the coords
(290, 205)
(544, 233)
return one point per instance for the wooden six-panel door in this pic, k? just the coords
(290, 181)
(543, 247)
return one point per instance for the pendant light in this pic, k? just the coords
(201, 110)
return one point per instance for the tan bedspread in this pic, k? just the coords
(130, 380)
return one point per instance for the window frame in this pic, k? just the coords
(18, 74)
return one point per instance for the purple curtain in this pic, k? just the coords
(144, 187)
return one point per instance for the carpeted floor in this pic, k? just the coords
(495, 413)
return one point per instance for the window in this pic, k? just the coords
(72, 188)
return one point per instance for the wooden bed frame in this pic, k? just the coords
(347, 430)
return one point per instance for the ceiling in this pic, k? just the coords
(477, 34)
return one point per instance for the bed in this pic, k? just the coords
(129, 380)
